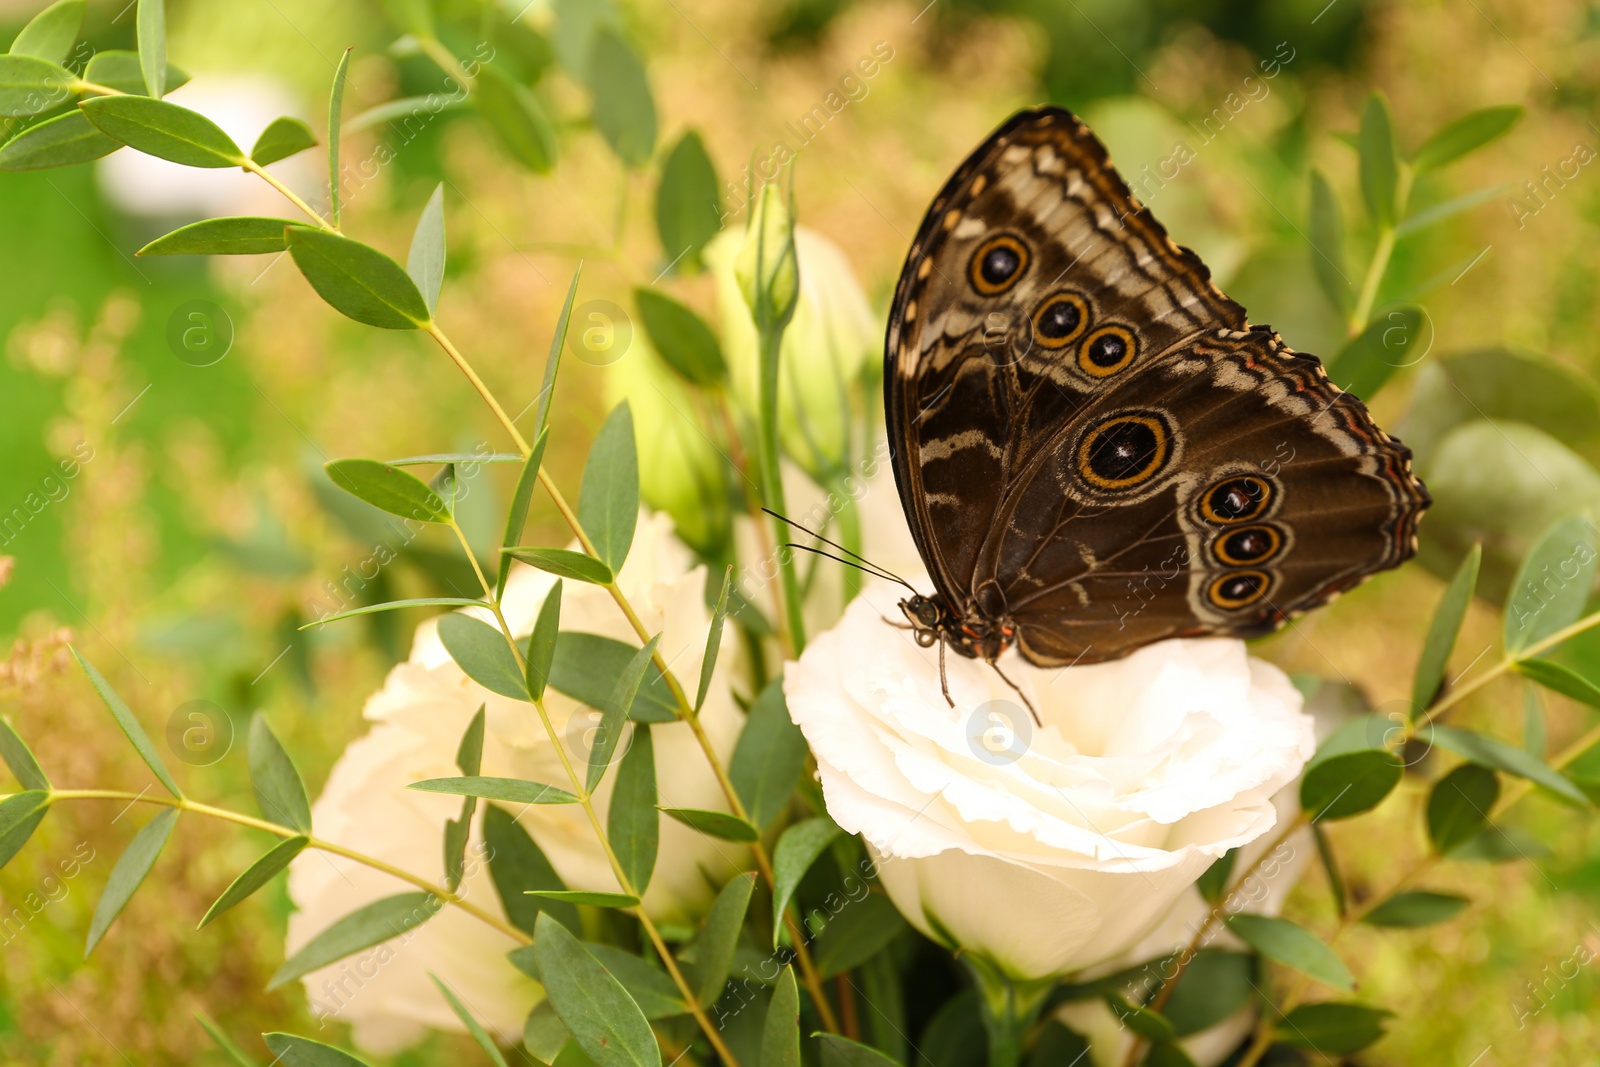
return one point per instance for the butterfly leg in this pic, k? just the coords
(944, 681)
(1020, 695)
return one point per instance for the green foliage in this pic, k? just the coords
(681, 338)
(780, 1031)
(279, 792)
(1416, 908)
(469, 760)
(335, 131)
(231, 1050)
(842, 1052)
(51, 33)
(129, 873)
(718, 824)
(1458, 806)
(389, 489)
(708, 663)
(718, 938)
(1214, 986)
(633, 824)
(56, 142)
(152, 32)
(1213, 884)
(688, 202)
(604, 1020)
(370, 925)
(357, 280)
(474, 1028)
(1552, 585)
(614, 713)
(586, 664)
(1398, 337)
(516, 866)
(521, 498)
(624, 108)
(1442, 632)
(129, 725)
(1332, 1028)
(1561, 679)
(859, 932)
(564, 563)
(798, 848)
(511, 790)
(1466, 134)
(542, 643)
(255, 876)
(769, 758)
(608, 498)
(30, 86)
(481, 651)
(291, 1051)
(240, 236)
(1380, 161)
(425, 261)
(1327, 243)
(20, 760)
(165, 130)
(122, 71)
(517, 119)
(20, 815)
(1492, 752)
(1293, 946)
(283, 137)
(558, 341)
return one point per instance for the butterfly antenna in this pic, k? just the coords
(865, 564)
(847, 562)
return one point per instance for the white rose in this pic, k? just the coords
(420, 714)
(1048, 849)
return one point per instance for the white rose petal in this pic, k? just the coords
(1052, 848)
(419, 716)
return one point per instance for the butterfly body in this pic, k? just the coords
(1094, 448)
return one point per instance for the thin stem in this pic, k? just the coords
(79, 85)
(1381, 255)
(436, 51)
(185, 804)
(255, 168)
(792, 623)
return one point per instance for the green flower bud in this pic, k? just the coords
(767, 268)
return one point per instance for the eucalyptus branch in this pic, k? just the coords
(185, 804)
(1382, 252)
(255, 168)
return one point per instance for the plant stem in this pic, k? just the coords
(793, 622)
(255, 168)
(1381, 254)
(1009, 1007)
(185, 804)
(483, 390)
(81, 86)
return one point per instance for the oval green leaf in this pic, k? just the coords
(284, 136)
(797, 850)
(1293, 946)
(371, 925)
(292, 1051)
(608, 496)
(1458, 806)
(681, 338)
(56, 142)
(715, 945)
(564, 563)
(1416, 908)
(769, 757)
(1380, 160)
(1331, 1028)
(718, 824)
(604, 1020)
(1447, 618)
(233, 236)
(51, 33)
(688, 202)
(389, 489)
(1552, 585)
(1350, 783)
(633, 824)
(624, 109)
(357, 280)
(255, 876)
(165, 130)
(279, 791)
(517, 119)
(151, 30)
(129, 873)
(514, 790)
(1560, 679)
(29, 86)
(481, 651)
(129, 725)
(425, 261)
(585, 896)
(1491, 751)
(1466, 134)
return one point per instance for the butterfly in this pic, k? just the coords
(1094, 448)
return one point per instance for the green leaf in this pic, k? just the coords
(681, 338)
(608, 497)
(797, 850)
(165, 130)
(1148, 1024)
(1445, 210)
(469, 760)
(1563, 680)
(715, 945)
(1293, 946)
(780, 1031)
(586, 664)
(1466, 134)
(1327, 244)
(474, 1028)
(255, 876)
(633, 824)
(688, 202)
(509, 789)
(51, 33)
(292, 1051)
(29, 86)
(517, 119)
(564, 563)
(544, 1035)
(1552, 584)
(417, 109)
(1214, 986)
(1349, 783)
(280, 793)
(1458, 806)
(708, 663)
(129, 873)
(859, 932)
(769, 758)
(1057, 1044)
(19, 758)
(373, 924)
(585, 896)
(20, 816)
(542, 644)
(56, 142)
(1332, 1028)
(602, 1018)
(233, 236)
(119, 69)
(521, 498)
(482, 652)
(425, 261)
(335, 129)
(1492, 752)
(130, 725)
(558, 341)
(614, 713)
(648, 985)
(283, 137)
(1213, 884)
(516, 865)
(1380, 161)
(225, 1043)
(718, 824)
(1500, 844)
(1442, 632)
(357, 280)
(388, 488)
(842, 1052)
(1416, 908)
(624, 109)
(395, 605)
(1396, 338)
(151, 23)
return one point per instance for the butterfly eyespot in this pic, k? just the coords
(1249, 544)
(998, 264)
(1060, 320)
(1124, 451)
(1107, 350)
(1236, 499)
(1239, 589)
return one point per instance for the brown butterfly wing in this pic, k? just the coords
(1047, 336)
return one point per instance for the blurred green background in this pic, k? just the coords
(198, 534)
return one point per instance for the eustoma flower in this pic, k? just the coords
(1043, 850)
(419, 716)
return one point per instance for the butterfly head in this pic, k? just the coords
(975, 636)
